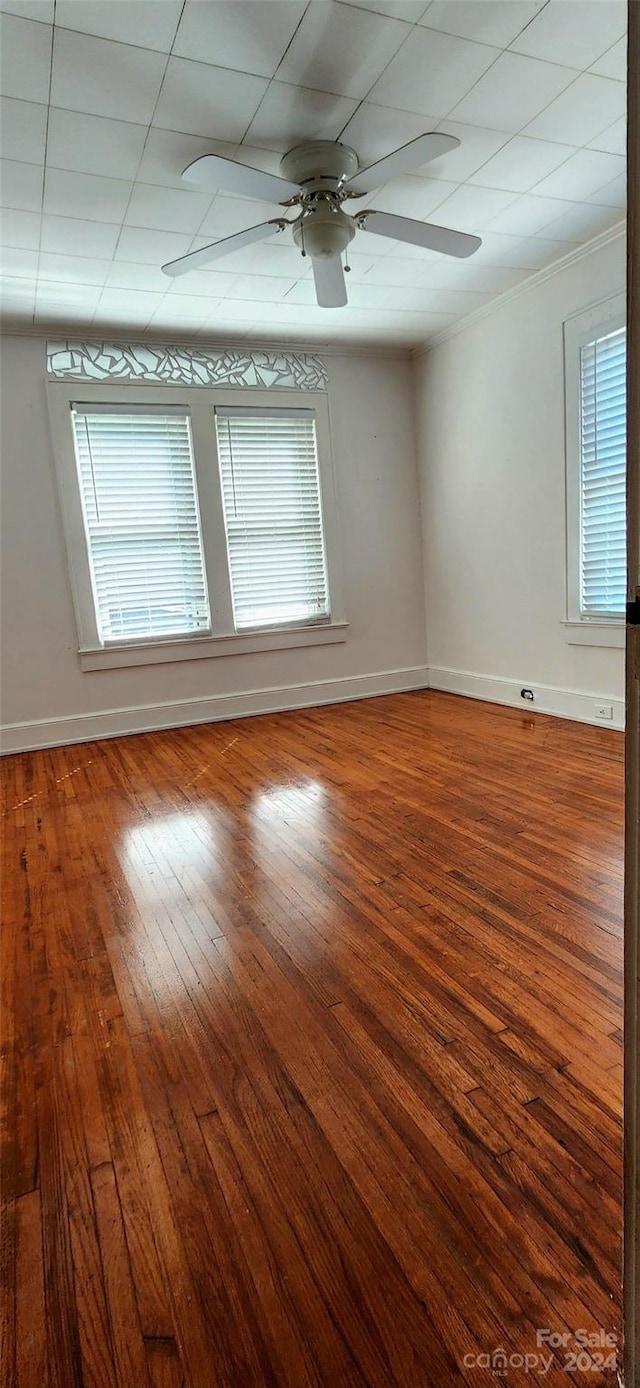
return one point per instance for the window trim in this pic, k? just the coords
(602, 318)
(200, 404)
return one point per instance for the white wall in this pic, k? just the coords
(377, 487)
(490, 430)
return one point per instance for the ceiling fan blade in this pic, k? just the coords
(426, 234)
(195, 259)
(331, 290)
(211, 171)
(408, 157)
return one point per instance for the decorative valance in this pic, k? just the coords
(71, 360)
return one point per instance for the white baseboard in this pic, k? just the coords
(563, 703)
(88, 727)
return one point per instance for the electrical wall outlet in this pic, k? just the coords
(603, 710)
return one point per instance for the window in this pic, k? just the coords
(595, 347)
(141, 520)
(273, 518)
(196, 526)
(603, 442)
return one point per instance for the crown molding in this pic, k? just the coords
(537, 278)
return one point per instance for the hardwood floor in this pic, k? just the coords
(312, 1055)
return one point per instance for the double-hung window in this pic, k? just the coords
(196, 525)
(142, 527)
(595, 360)
(273, 517)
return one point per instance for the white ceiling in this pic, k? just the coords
(103, 108)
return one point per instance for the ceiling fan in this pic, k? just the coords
(318, 177)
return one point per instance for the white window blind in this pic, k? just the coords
(141, 519)
(273, 516)
(603, 473)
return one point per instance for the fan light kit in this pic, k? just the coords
(318, 178)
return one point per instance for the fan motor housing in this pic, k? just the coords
(320, 164)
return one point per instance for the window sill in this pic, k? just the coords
(205, 647)
(595, 633)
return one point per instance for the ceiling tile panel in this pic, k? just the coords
(23, 125)
(190, 306)
(122, 275)
(25, 59)
(375, 246)
(211, 284)
(17, 299)
(164, 320)
(288, 115)
(283, 258)
(582, 175)
(529, 215)
(144, 23)
(589, 106)
(409, 10)
(402, 272)
(476, 147)
(521, 163)
(104, 78)
(138, 303)
(260, 288)
(72, 269)
(488, 279)
(228, 215)
(444, 274)
(583, 221)
(19, 263)
(559, 35)
(203, 100)
(21, 185)
(52, 292)
(432, 72)
(613, 63)
(167, 209)
(472, 209)
(456, 302)
(512, 92)
(614, 194)
(413, 197)
(251, 37)
(42, 10)
(20, 228)
(75, 236)
(69, 194)
(94, 145)
(151, 247)
(613, 140)
(341, 49)
(491, 21)
(168, 152)
(519, 252)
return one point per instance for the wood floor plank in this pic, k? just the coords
(311, 1046)
(31, 1370)
(129, 1355)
